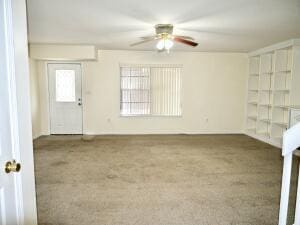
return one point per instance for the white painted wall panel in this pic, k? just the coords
(213, 93)
(62, 52)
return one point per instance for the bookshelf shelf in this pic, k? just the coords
(265, 105)
(283, 124)
(273, 88)
(281, 106)
(265, 120)
(283, 71)
(253, 103)
(281, 90)
(267, 73)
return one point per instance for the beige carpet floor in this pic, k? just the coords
(158, 180)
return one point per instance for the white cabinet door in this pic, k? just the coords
(65, 98)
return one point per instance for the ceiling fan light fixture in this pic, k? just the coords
(164, 44)
(165, 37)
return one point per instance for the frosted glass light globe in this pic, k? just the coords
(164, 44)
(168, 44)
(160, 44)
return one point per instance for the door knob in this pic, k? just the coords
(79, 103)
(12, 166)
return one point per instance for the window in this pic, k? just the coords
(150, 90)
(65, 85)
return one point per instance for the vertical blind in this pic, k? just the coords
(150, 90)
(135, 91)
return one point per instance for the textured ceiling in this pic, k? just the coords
(218, 25)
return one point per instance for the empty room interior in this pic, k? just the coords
(162, 112)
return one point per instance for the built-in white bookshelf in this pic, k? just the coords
(273, 87)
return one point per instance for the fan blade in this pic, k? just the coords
(144, 41)
(149, 37)
(184, 41)
(184, 37)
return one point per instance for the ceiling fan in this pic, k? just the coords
(165, 37)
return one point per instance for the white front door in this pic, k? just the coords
(65, 98)
(17, 192)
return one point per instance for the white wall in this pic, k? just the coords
(213, 98)
(34, 99)
(62, 52)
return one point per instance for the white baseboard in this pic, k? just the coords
(266, 140)
(36, 136)
(162, 133)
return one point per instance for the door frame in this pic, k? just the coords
(16, 53)
(48, 91)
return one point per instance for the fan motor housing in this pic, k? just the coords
(164, 28)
